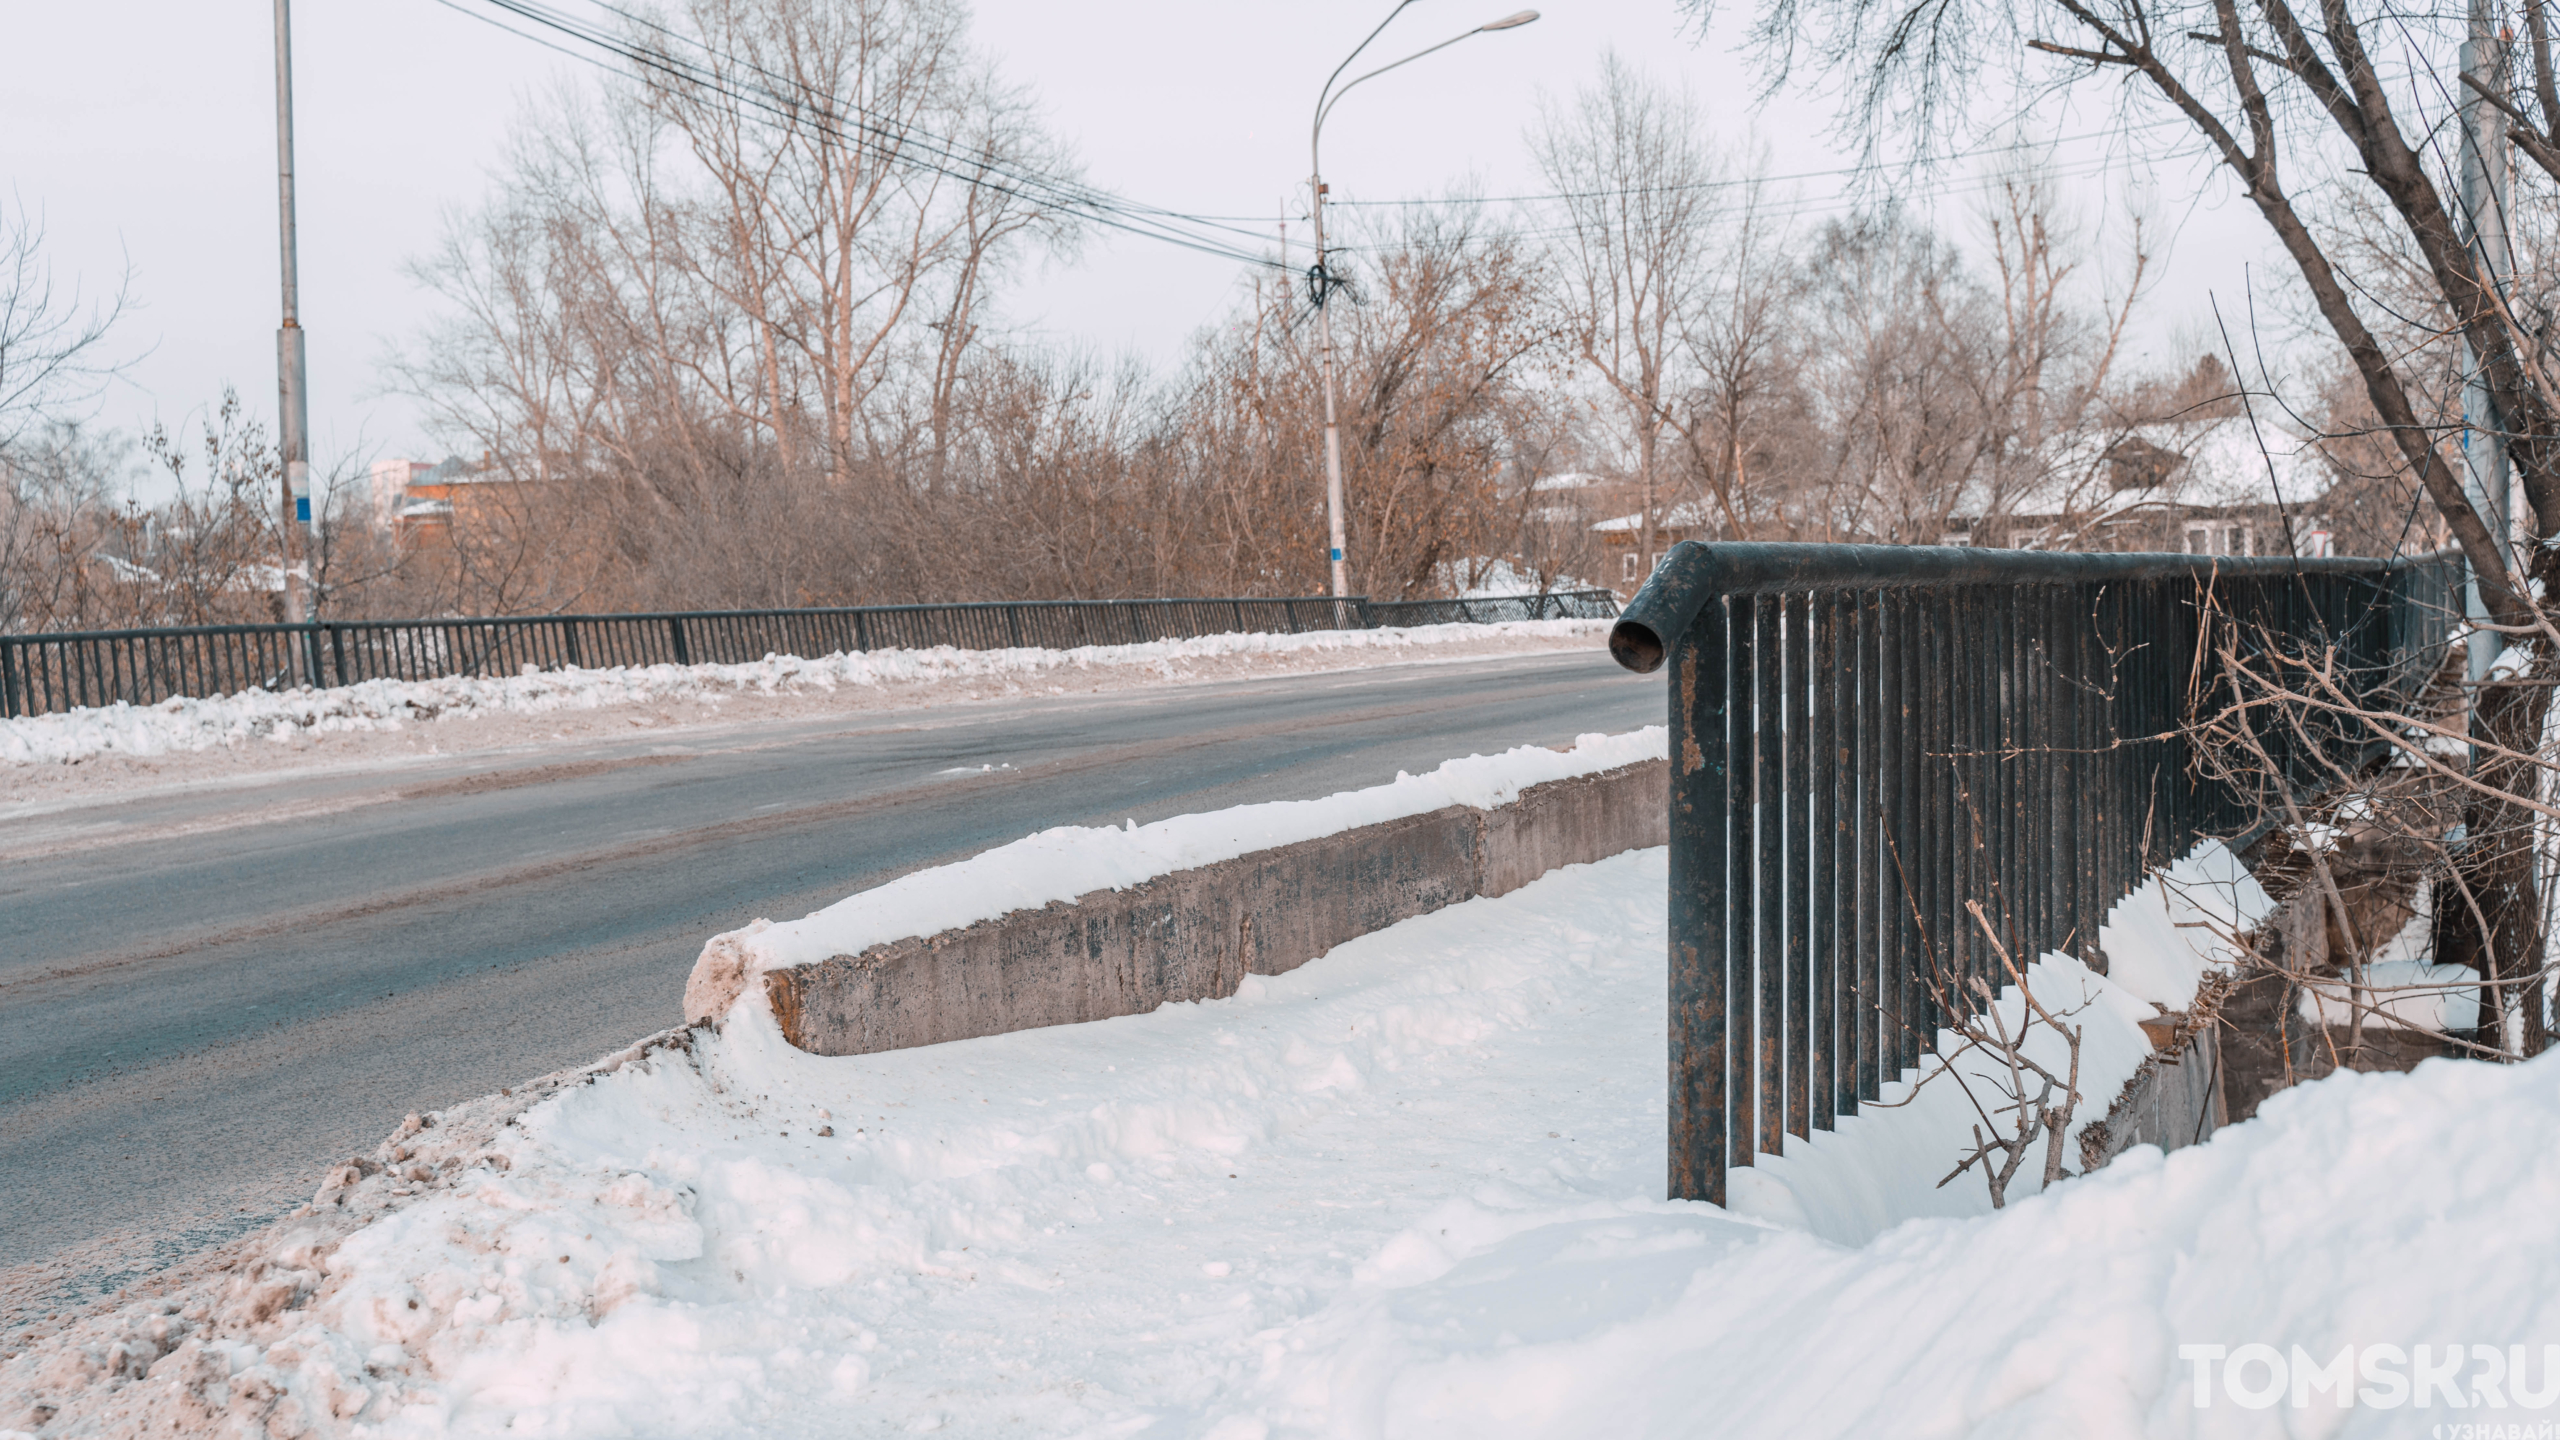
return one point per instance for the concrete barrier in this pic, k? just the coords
(1195, 934)
(2173, 1101)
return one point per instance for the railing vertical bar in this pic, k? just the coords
(1933, 849)
(1866, 797)
(1976, 635)
(2006, 902)
(1830, 772)
(1904, 878)
(2117, 855)
(2043, 719)
(1769, 795)
(1701, 1011)
(2008, 723)
(1961, 689)
(1742, 656)
(1796, 730)
(2081, 918)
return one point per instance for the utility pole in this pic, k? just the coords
(293, 404)
(1323, 278)
(2484, 223)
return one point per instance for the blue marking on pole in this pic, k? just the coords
(302, 508)
(1337, 552)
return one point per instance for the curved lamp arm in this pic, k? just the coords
(1330, 97)
(1354, 55)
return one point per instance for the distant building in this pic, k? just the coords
(387, 489)
(415, 502)
(1622, 540)
(2228, 486)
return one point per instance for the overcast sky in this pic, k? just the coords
(144, 132)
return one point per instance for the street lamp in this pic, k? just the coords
(1322, 275)
(293, 409)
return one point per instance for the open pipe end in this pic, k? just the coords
(1636, 646)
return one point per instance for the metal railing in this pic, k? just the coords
(1494, 610)
(1865, 738)
(44, 673)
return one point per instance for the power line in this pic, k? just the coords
(1083, 193)
(893, 141)
(1616, 192)
(897, 142)
(1555, 229)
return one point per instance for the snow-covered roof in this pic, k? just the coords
(1569, 480)
(1687, 515)
(267, 579)
(2223, 462)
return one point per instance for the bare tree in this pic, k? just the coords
(1744, 370)
(57, 521)
(51, 343)
(1898, 336)
(1637, 180)
(2362, 92)
(759, 266)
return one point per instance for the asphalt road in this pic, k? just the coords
(216, 993)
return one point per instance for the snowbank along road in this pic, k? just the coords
(208, 994)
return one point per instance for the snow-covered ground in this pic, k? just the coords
(259, 717)
(1408, 1189)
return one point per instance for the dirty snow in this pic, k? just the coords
(1071, 860)
(256, 717)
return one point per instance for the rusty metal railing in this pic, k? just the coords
(1865, 738)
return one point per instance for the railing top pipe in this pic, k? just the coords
(1693, 572)
(661, 616)
(628, 616)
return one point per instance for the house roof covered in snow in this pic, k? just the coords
(1687, 515)
(2213, 463)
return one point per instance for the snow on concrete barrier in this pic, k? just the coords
(1077, 924)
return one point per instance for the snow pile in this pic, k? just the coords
(202, 724)
(1877, 1168)
(1073, 860)
(2179, 926)
(1880, 1167)
(1408, 1189)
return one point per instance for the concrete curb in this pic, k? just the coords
(1195, 934)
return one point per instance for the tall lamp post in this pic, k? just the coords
(1320, 279)
(293, 403)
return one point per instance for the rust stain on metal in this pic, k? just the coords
(1692, 760)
